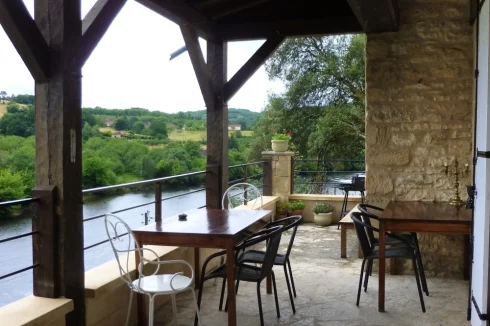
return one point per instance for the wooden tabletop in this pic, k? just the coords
(214, 222)
(426, 211)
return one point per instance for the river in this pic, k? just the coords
(17, 254)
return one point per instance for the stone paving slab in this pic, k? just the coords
(326, 288)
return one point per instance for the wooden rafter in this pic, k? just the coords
(376, 15)
(180, 13)
(197, 59)
(251, 66)
(26, 37)
(96, 23)
(261, 30)
(232, 7)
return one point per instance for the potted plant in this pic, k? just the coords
(281, 210)
(296, 207)
(322, 214)
(280, 142)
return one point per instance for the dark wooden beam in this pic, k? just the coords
(58, 142)
(182, 14)
(230, 8)
(261, 30)
(197, 59)
(217, 126)
(376, 16)
(95, 25)
(251, 66)
(26, 38)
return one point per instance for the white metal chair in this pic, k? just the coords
(123, 243)
(242, 194)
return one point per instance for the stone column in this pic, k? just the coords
(281, 173)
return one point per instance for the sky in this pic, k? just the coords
(130, 67)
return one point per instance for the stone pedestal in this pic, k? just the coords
(281, 173)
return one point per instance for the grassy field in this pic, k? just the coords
(3, 108)
(198, 135)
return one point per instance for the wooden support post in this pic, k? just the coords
(44, 244)
(58, 142)
(267, 182)
(158, 201)
(217, 122)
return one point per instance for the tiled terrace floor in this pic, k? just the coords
(326, 291)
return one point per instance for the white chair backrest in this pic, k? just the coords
(242, 194)
(123, 244)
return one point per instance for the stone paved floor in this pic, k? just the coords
(326, 292)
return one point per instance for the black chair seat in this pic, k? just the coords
(244, 272)
(257, 257)
(394, 252)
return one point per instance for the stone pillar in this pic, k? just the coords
(281, 173)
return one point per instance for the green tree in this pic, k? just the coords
(13, 107)
(121, 123)
(88, 117)
(97, 172)
(20, 123)
(158, 128)
(11, 187)
(138, 127)
(3, 96)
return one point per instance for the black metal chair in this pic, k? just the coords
(367, 211)
(245, 272)
(408, 250)
(258, 257)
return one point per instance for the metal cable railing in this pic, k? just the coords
(314, 176)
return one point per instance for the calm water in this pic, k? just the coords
(17, 254)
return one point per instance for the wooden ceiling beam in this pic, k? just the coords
(197, 59)
(232, 8)
(251, 66)
(376, 16)
(26, 38)
(261, 30)
(181, 13)
(95, 25)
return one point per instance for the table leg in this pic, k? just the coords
(466, 257)
(197, 267)
(230, 274)
(381, 278)
(343, 241)
(140, 300)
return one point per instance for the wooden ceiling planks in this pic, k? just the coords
(258, 19)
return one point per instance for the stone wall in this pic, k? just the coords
(419, 110)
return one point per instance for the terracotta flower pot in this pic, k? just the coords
(298, 212)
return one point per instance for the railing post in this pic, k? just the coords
(291, 179)
(158, 201)
(46, 279)
(267, 183)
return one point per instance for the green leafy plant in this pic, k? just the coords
(322, 208)
(282, 208)
(280, 136)
(296, 205)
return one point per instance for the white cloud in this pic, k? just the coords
(130, 67)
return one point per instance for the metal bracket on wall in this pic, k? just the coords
(480, 315)
(483, 154)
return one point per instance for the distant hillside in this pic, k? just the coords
(241, 116)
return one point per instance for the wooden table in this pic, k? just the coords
(204, 228)
(406, 216)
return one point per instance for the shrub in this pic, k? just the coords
(322, 208)
(279, 136)
(296, 205)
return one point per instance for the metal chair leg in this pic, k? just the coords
(420, 264)
(199, 297)
(223, 285)
(291, 275)
(367, 272)
(174, 309)
(198, 314)
(289, 289)
(150, 310)
(360, 281)
(260, 305)
(419, 288)
(129, 306)
(275, 294)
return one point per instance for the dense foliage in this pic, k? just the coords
(323, 105)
